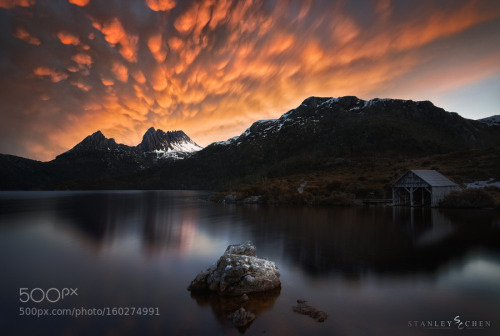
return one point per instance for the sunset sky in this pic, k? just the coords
(212, 68)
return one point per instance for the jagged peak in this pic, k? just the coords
(158, 140)
(97, 136)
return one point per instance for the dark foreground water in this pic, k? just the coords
(375, 271)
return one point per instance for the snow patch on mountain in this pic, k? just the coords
(491, 121)
(226, 142)
(483, 184)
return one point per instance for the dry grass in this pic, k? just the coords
(339, 181)
(468, 199)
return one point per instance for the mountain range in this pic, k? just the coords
(316, 133)
(95, 157)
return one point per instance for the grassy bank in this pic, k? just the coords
(339, 181)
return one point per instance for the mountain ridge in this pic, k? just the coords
(153, 140)
(319, 130)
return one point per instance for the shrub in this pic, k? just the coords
(468, 199)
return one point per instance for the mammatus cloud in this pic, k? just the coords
(13, 3)
(211, 68)
(120, 71)
(79, 2)
(68, 38)
(23, 34)
(54, 74)
(160, 5)
(116, 36)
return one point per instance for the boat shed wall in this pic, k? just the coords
(438, 193)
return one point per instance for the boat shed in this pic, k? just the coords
(421, 188)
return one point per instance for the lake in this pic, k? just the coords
(373, 270)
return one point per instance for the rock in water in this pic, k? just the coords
(305, 309)
(238, 271)
(241, 317)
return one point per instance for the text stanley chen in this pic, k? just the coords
(450, 324)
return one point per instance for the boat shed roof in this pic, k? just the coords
(434, 178)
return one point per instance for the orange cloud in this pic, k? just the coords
(83, 60)
(160, 5)
(279, 43)
(54, 75)
(13, 3)
(384, 9)
(107, 81)
(345, 30)
(155, 44)
(159, 79)
(120, 71)
(82, 86)
(139, 77)
(79, 2)
(175, 43)
(68, 38)
(114, 34)
(23, 34)
(73, 68)
(140, 94)
(443, 24)
(187, 21)
(220, 13)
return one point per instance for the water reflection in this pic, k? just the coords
(223, 306)
(366, 266)
(350, 241)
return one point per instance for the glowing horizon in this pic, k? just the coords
(212, 68)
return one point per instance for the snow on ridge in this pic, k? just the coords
(330, 101)
(491, 121)
(226, 142)
(162, 154)
(287, 115)
(186, 146)
(177, 148)
(371, 102)
(264, 121)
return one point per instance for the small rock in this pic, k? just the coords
(300, 189)
(241, 317)
(244, 298)
(305, 309)
(230, 199)
(252, 200)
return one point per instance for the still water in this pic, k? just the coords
(373, 270)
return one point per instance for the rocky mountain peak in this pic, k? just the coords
(96, 140)
(158, 140)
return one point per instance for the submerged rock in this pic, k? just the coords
(305, 309)
(225, 306)
(238, 271)
(241, 317)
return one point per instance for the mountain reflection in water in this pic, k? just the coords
(157, 241)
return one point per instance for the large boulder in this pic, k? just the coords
(238, 271)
